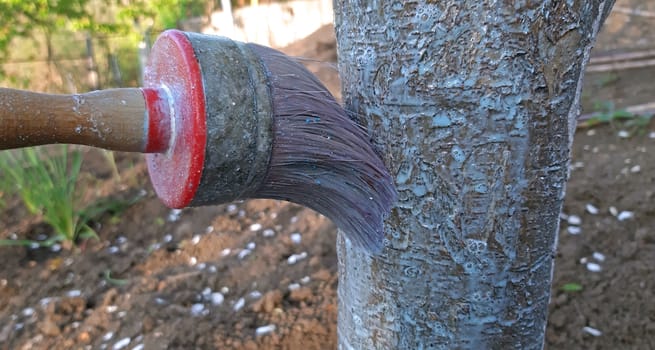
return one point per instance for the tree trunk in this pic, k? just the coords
(473, 106)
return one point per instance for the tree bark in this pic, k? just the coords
(473, 107)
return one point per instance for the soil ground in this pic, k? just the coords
(261, 274)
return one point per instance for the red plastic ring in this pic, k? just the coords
(174, 70)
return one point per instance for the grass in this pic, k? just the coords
(46, 183)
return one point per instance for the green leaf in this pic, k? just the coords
(114, 281)
(17, 242)
(572, 287)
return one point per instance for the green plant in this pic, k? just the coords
(109, 156)
(607, 79)
(45, 181)
(606, 112)
(572, 287)
(159, 221)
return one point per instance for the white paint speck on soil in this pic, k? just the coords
(27, 312)
(592, 331)
(122, 343)
(574, 220)
(294, 258)
(243, 253)
(73, 293)
(625, 215)
(174, 215)
(599, 256)
(593, 267)
(239, 304)
(263, 330)
(217, 298)
(197, 309)
(296, 238)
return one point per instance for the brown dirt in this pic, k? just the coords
(167, 271)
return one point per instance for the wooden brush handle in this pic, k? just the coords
(116, 119)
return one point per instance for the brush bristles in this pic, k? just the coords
(320, 157)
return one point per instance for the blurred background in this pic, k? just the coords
(81, 45)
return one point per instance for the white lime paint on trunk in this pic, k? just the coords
(472, 104)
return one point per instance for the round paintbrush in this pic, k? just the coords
(223, 120)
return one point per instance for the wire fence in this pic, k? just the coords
(72, 63)
(623, 55)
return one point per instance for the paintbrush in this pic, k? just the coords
(221, 120)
